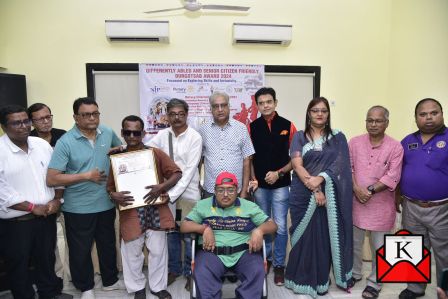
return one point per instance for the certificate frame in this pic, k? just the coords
(133, 171)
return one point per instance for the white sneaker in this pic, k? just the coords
(88, 295)
(119, 285)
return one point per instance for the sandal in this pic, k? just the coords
(163, 294)
(370, 293)
(350, 284)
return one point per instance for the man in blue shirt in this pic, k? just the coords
(423, 186)
(80, 163)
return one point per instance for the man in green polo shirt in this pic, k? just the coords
(80, 163)
(232, 232)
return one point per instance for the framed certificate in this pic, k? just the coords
(133, 171)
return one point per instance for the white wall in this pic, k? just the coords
(359, 44)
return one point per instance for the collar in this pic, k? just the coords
(77, 133)
(378, 145)
(237, 203)
(227, 124)
(14, 148)
(271, 118)
(174, 135)
(441, 131)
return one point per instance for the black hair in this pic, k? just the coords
(327, 129)
(36, 107)
(177, 102)
(263, 91)
(83, 101)
(426, 100)
(7, 110)
(132, 118)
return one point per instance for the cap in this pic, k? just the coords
(226, 178)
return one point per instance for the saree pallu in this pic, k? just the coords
(321, 237)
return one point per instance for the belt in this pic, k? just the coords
(427, 204)
(25, 217)
(228, 250)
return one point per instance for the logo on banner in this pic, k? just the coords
(403, 258)
(179, 89)
(158, 89)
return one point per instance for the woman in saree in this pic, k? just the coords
(320, 206)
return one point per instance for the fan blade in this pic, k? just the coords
(226, 7)
(164, 10)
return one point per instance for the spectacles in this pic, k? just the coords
(87, 115)
(222, 191)
(375, 121)
(18, 123)
(43, 119)
(178, 115)
(316, 111)
(131, 132)
(220, 106)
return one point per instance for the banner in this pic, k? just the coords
(194, 83)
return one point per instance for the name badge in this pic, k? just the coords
(412, 146)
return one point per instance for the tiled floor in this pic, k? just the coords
(178, 292)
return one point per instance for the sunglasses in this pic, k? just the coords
(131, 132)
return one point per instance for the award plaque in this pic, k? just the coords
(133, 171)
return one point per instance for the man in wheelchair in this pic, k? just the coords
(232, 231)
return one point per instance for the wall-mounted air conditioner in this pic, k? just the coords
(262, 34)
(137, 30)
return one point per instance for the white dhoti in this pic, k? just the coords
(133, 258)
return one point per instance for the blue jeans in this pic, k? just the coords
(275, 203)
(175, 252)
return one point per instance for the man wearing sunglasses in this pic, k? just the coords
(232, 231)
(148, 224)
(81, 164)
(42, 119)
(27, 208)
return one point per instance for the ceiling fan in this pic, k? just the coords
(194, 5)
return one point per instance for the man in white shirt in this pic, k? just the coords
(27, 207)
(184, 145)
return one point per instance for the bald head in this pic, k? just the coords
(381, 109)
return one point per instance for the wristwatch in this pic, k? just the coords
(280, 174)
(371, 189)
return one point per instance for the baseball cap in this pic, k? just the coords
(226, 178)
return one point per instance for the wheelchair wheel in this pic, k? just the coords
(193, 294)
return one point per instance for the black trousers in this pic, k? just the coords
(31, 239)
(81, 230)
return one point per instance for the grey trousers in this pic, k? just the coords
(376, 241)
(432, 223)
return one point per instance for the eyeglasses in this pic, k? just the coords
(87, 115)
(178, 115)
(375, 121)
(220, 106)
(18, 123)
(43, 119)
(316, 111)
(222, 191)
(131, 132)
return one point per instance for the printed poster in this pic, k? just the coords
(194, 83)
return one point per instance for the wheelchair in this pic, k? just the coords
(193, 291)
